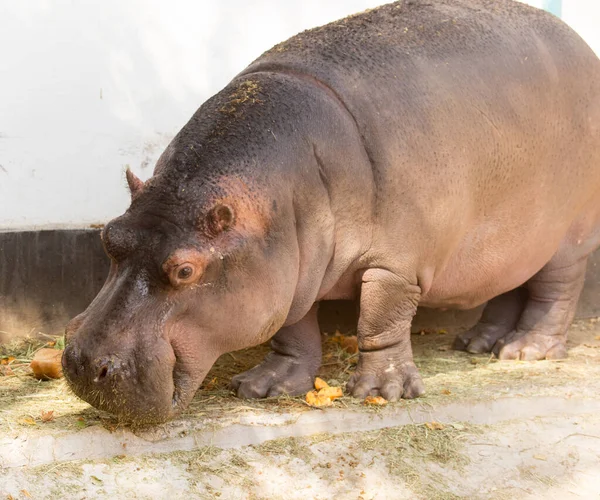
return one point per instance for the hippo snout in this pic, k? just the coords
(101, 370)
(131, 384)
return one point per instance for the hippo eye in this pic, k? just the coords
(185, 272)
(184, 267)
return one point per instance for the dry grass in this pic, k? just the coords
(442, 445)
(449, 377)
(24, 399)
(287, 447)
(408, 448)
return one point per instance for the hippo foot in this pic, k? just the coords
(479, 339)
(531, 346)
(500, 317)
(276, 375)
(387, 379)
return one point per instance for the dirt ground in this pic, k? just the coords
(485, 429)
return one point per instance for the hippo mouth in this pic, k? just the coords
(136, 389)
(183, 388)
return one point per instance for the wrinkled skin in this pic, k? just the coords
(442, 154)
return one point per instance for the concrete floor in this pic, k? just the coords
(485, 429)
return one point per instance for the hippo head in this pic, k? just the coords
(191, 278)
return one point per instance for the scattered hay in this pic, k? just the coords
(245, 93)
(405, 448)
(286, 447)
(72, 469)
(440, 443)
(198, 460)
(449, 377)
(529, 473)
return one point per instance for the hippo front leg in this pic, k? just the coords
(291, 367)
(385, 366)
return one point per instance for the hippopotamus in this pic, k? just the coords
(442, 154)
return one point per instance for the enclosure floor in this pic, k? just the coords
(485, 429)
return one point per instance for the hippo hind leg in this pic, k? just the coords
(541, 332)
(500, 317)
(292, 365)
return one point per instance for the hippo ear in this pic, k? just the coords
(135, 184)
(219, 219)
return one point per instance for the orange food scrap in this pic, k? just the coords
(350, 344)
(347, 343)
(331, 392)
(434, 426)
(47, 363)
(376, 401)
(320, 384)
(324, 394)
(313, 398)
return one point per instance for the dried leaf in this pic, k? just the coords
(26, 493)
(211, 385)
(96, 480)
(28, 421)
(320, 384)
(376, 401)
(47, 416)
(434, 426)
(60, 343)
(447, 392)
(7, 360)
(6, 371)
(442, 332)
(540, 457)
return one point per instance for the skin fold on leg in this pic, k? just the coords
(385, 366)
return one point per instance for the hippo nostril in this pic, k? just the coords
(72, 361)
(107, 368)
(103, 373)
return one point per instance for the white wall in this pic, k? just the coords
(88, 87)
